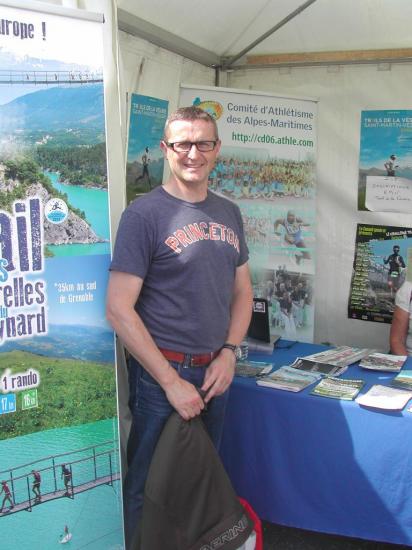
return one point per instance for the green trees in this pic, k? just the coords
(77, 165)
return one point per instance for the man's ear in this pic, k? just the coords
(163, 147)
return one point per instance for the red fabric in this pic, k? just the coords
(256, 523)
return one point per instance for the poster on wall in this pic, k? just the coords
(59, 456)
(385, 161)
(144, 169)
(267, 165)
(379, 268)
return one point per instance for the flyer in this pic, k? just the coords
(379, 269)
(385, 161)
(144, 169)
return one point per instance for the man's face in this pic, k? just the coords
(193, 167)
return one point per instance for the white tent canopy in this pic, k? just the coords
(212, 31)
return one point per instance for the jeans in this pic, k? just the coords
(150, 410)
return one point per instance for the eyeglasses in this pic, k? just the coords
(186, 146)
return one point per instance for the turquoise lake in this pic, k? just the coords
(94, 203)
(93, 517)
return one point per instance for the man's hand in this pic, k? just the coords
(184, 398)
(219, 374)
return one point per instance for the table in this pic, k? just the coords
(318, 463)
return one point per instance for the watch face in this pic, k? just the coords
(238, 352)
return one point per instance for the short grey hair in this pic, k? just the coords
(190, 113)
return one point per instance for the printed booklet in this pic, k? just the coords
(383, 362)
(403, 379)
(250, 369)
(338, 388)
(385, 397)
(289, 379)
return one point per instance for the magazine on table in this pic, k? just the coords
(326, 369)
(341, 356)
(403, 379)
(383, 362)
(385, 397)
(289, 379)
(338, 388)
(250, 369)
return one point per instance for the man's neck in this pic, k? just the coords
(195, 193)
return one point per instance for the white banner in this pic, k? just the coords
(267, 164)
(59, 451)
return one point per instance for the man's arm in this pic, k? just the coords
(276, 224)
(220, 372)
(399, 331)
(122, 294)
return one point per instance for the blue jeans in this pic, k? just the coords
(150, 410)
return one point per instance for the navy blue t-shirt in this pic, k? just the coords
(187, 255)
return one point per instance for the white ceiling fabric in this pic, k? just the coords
(226, 27)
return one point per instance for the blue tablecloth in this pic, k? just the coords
(318, 463)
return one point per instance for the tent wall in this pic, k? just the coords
(149, 70)
(343, 92)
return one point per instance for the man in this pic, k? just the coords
(7, 496)
(298, 297)
(67, 477)
(36, 485)
(396, 263)
(290, 228)
(179, 297)
(145, 164)
(390, 166)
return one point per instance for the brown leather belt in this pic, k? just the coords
(196, 360)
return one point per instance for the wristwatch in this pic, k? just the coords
(236, 349)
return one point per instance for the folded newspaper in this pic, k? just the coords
(326, 369)
(341, 356)
(383, 362)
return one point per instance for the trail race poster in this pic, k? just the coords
(385, 161)
(144, 169)
(379, 269)
(267, 165)
(59, 459)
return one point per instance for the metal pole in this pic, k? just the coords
(217, 76)
(71, 479)
(227, 64)
(94, 462)
(110, 465)
(54, 475)
(28, 494)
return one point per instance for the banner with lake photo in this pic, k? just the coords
(385, 161)
(59, 450)
(267, 165)
(379, 269)
(144, 169)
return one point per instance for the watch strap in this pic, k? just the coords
(228, 345)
